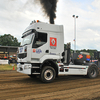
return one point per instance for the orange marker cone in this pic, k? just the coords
(13, 68)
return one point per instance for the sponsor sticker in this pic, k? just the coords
(34, 50)
(80, 56)
(20, 49)
(52, 53)
(53, 42)
(38, 51)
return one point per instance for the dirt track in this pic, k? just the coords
(17, 86)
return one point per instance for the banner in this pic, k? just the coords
(3, 61)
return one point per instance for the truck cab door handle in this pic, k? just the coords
(47, 51)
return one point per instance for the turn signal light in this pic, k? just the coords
(25, 50)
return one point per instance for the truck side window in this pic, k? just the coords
(40, 40)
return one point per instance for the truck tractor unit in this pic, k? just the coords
(42, 54)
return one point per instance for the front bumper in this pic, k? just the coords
(24, 68)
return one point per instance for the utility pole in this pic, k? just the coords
(75, 32)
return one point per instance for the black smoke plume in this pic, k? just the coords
(49, 8)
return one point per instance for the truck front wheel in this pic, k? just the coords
(92, 71)
(48, 74)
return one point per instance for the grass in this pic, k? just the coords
(8, 67)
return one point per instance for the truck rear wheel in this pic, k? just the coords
(92, 71)
(48, 74)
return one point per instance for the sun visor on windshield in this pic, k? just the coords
(28, 32)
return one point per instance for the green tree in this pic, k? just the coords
(8, 40)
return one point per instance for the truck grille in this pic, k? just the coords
(22, 55)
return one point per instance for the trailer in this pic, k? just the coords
(42, 54)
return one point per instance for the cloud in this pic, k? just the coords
(16, 15)
(96, 4)
(87, 25)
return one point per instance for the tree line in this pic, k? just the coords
(8, 40)
(90, 51)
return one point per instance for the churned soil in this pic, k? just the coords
(18, 86)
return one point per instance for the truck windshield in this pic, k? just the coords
(27, 39)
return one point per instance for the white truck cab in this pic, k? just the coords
(42, 53)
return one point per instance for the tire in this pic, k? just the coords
(32, 76)
(92, 71)
(48, 74)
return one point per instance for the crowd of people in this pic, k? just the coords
(11, 59)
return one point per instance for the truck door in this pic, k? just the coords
(40, 45)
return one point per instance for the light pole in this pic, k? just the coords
(75, 32)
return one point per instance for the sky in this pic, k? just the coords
(16, 15)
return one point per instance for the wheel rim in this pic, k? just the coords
(48, 75)
(93, 72)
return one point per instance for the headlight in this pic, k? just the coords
(27, 66)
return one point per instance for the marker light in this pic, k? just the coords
(37, 21)
(25, 50)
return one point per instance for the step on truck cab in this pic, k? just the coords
(42, 53)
